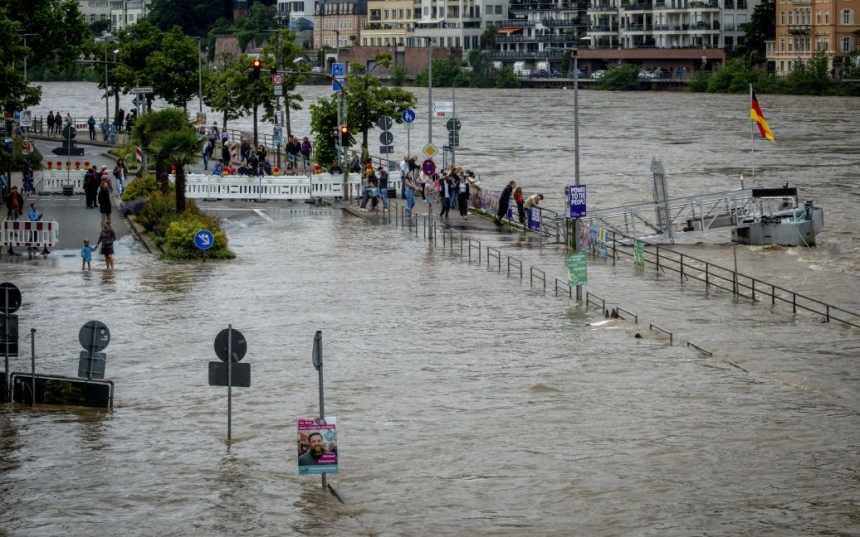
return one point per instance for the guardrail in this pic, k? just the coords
(652, 326)
(715, 276)
(269, 187)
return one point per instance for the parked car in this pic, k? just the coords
(598, 74)
(316, 69)
(645, 74)
(579, 74)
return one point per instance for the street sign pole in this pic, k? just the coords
(33, 363)
(229, 383)
(317, 360)
(7, 396)
(454, 115)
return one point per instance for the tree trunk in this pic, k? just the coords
(180, 188)
(161, 177)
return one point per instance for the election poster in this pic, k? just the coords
(317, 446)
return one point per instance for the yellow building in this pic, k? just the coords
(389, 22)
(805, 26)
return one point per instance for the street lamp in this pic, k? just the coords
(107, 38)
(27, 53)
(199, 75)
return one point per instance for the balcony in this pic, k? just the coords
(601, 28)
(711, 4)
(515, 23)
(638, 28)
(602, 7)
(799, 29)
(637, 7)
(541, 7)
(561, 23)
(555, 39)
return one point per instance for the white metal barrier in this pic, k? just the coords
(28, 234)
(269, 187)
(53, 181)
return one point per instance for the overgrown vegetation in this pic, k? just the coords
(173, 232)
(624, 77)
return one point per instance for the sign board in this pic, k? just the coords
(277, 79)
(575, 197)
(26, 118)
(278, 91)
(92, 365)
(386, 149)
(240, 374)
(9, 335)
(142, 89)
(430, 150)
(577, 269)
(338, 85)
(386, 138)
(385, 123)
(446, 156)
(533, 219)
(446, 107)
(428, 167)
(204, 239)
(408, 116)
(94, 336)
(238, 343)
(201, 118)
(338, 70)
(277, 136)
(10, 298)
(58, 390)
(454, 138)
(317, 446)
(453, 124)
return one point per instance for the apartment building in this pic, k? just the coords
(125, 13)
(94, 10)
(337, 23)
(806, 26)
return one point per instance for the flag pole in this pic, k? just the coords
(752, 137)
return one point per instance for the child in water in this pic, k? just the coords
(86, 255)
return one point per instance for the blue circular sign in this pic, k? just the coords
(408, 115)
(428, 167)
(204, 239)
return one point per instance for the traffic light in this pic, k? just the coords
(273, 70)
(256, 65)
(344, 134)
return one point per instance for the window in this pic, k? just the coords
(730, 41)
(782, 18)
(782, 66)
(818, 17)
(846, 16)
(790, 44)
(385, 14)
(826, 16)
(846, 44)
(499, 10)
(782, 44)
(790, 18)
(478, 11)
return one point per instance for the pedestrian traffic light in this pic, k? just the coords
(256, 65)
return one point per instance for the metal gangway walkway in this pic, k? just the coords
(703, 212)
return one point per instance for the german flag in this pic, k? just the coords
(758, 117)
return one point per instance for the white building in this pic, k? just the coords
(94, 10)
(125, 13)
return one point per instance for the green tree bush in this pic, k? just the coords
(624, 77)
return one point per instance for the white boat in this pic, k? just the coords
(775, 217)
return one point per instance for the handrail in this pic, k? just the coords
(589, 294)
(652, 326)
(628, 312)
(698, 348)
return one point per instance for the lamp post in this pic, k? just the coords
(199, 74)
(27, 53)
(429, 90)
(107, 38)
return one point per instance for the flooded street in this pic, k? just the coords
(467, 402)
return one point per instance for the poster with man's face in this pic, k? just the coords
(317, 446)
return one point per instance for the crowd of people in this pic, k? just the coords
(54, 124)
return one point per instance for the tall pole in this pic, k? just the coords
(200, 74)
(576, 159)
(429, 90)
(107, 85)
(456, 134)
(25, 55)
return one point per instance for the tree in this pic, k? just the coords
(368, 100)
(57, 32)
(507, 78)
(224, 91)
(282, 54)
(147, 133)
(760, 28)
(325, 130)
(624, 77)
(194, 18)
(170, 68)
(488, 38)
(137, 44)
(179, 149)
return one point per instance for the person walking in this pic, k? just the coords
(91, 186)
(50, 121)
(91, 125)
(306, 149)
(463, 199)
(86, 255)
(404, 169)
(120, 173)
(106, 240)
(518, 199)
(504, 202)
(447, 190)
(104, 201)
(105, 130)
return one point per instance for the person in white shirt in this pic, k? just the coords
(404, 169)
(532, 201)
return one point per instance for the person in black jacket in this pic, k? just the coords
(504, 201)
(463, 198)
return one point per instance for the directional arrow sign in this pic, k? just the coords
(204, 239)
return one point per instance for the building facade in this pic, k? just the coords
(806, 26)
(94, 10)
(125, 13)
(338, 24)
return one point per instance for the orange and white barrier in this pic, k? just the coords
(20, 233)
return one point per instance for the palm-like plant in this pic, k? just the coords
(149, 127)
(178, 148)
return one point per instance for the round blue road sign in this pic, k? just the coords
(428, 167)
(408, 115)
(204, 239)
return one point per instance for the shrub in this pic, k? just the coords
(158, 212)
(141, 187)
(179, 238)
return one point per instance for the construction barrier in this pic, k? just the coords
(270, 187)
(19, 233)
(53, 181)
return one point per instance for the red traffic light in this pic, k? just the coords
(344, 130)
(256, 64)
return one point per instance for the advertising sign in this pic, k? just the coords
(575, 197)
(317, 446)
(577, 269)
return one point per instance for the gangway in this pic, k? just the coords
(704, 212)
